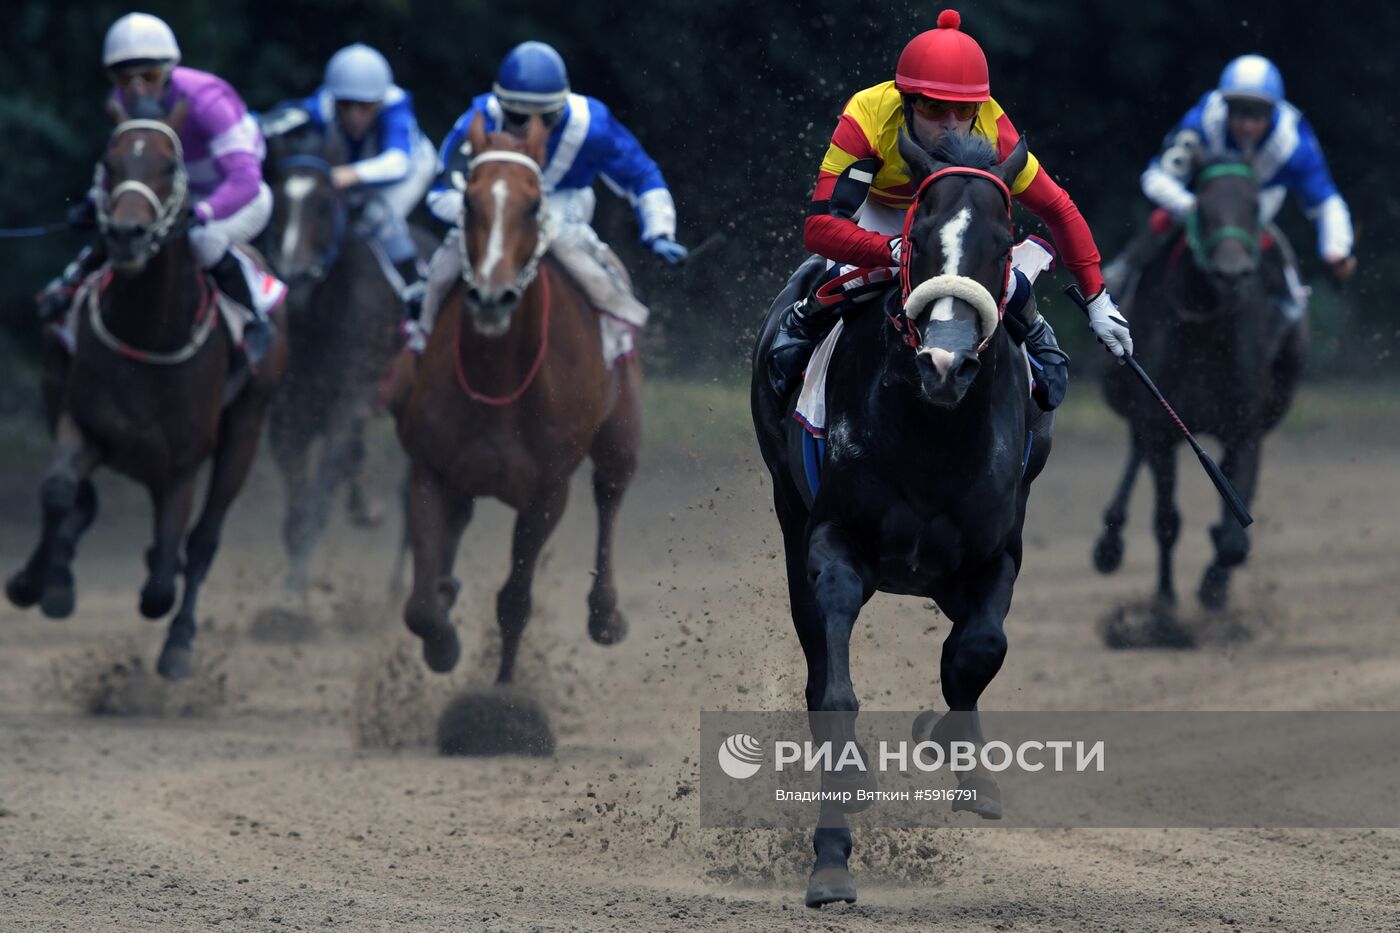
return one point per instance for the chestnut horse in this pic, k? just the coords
(144, 392)
(510, 394)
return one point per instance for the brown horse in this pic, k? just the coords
(144, 392)
(509, 396)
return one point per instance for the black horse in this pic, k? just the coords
(1225, 353)
(343, 316)
(929, 458)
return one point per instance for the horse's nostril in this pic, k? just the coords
(966, 369)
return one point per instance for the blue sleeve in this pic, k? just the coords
(623, 162)
(1305, 174)
(397, 126)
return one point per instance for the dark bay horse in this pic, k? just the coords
(144, 392)
(510, 395)
(928, 465)
(1222, 351)
(342, 317)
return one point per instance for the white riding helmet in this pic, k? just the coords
(359, 73)
(138, 37)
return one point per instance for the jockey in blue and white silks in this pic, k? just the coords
(585, 142)
(387, 157)
(1247, 117)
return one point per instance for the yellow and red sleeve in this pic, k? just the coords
(829, 230)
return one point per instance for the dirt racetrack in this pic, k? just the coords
(294, 783)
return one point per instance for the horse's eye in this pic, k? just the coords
(170, 170)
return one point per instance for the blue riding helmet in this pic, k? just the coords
(1253, 77)
(532, 79)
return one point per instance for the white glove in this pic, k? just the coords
(1109, 326)
(896, 249)
(1031, 257)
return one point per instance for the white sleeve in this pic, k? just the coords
(1334, 233)
(1167, 191)
(389, 166)
(658, 213)
(446, 206)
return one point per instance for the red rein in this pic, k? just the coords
(500, 401)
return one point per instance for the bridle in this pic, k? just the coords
(545, 228)
(915, 298)
(1201, 248)
(167, 210)
(322, 167)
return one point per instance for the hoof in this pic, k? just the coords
(986, 800)
(1214, 592)
(607, 629)
(442, 650)
(176, 662)
(922, 730)
(828, 885)
(59, 594)
(157, 600)
(23, 589)
(366, 513)
(1108, 552)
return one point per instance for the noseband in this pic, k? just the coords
(167, 211)
(545, 230)
(1201, 248)
(916, 298)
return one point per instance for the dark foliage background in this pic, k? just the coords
(736, 100)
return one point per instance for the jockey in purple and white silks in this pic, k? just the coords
(389, 163)
(223, 152)
(1247, 117)
(585, 142)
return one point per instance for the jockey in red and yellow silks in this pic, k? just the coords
(863, 192)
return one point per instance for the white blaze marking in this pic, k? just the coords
(138, 147)
(952, 238)
(495, 242)
(296, 189)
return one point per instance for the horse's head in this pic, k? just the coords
(140, 184)
(957, 255)
(505, 229)
(308, 214)
(1223, 229)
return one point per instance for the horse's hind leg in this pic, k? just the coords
(436, 520)
(364, 511)
(69, 503)
(614, 454)
(1241, 466)
(291, 451)
(1108, 550)
(533, 527)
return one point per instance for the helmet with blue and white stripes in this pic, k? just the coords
(358, 73)
(532, 79)
(1252, 77)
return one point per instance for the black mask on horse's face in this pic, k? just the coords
(308, 220)
(142, 182)
(959, 240)
(1224, 230)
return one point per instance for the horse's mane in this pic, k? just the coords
(968, 151)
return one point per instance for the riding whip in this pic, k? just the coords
(1217, 476)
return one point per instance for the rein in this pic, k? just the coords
(167, 211)
(947, 286)
(523, 280)
(322, 167)
(205, 319)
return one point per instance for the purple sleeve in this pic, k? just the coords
(235, 147)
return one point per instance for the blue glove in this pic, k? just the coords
(668, 249)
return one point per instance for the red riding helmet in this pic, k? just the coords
(944, 63)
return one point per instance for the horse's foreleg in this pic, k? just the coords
(332, 468)
(1241, 466)
(365, 512)
(291, 451)
(237, 446)
(172, 504)
(1161, 460)
(614, 454)
(69, 503)
(436, 520)
(533, 527)
(1108, 550)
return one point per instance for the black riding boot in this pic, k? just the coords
(258, 332)
(57, 296)
(1048, 362)
(802, 325)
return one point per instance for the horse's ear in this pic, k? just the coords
(536, 135)
(1015, 163)
(176, 117)
(117, 110)
(921, 164)
(476, 134)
